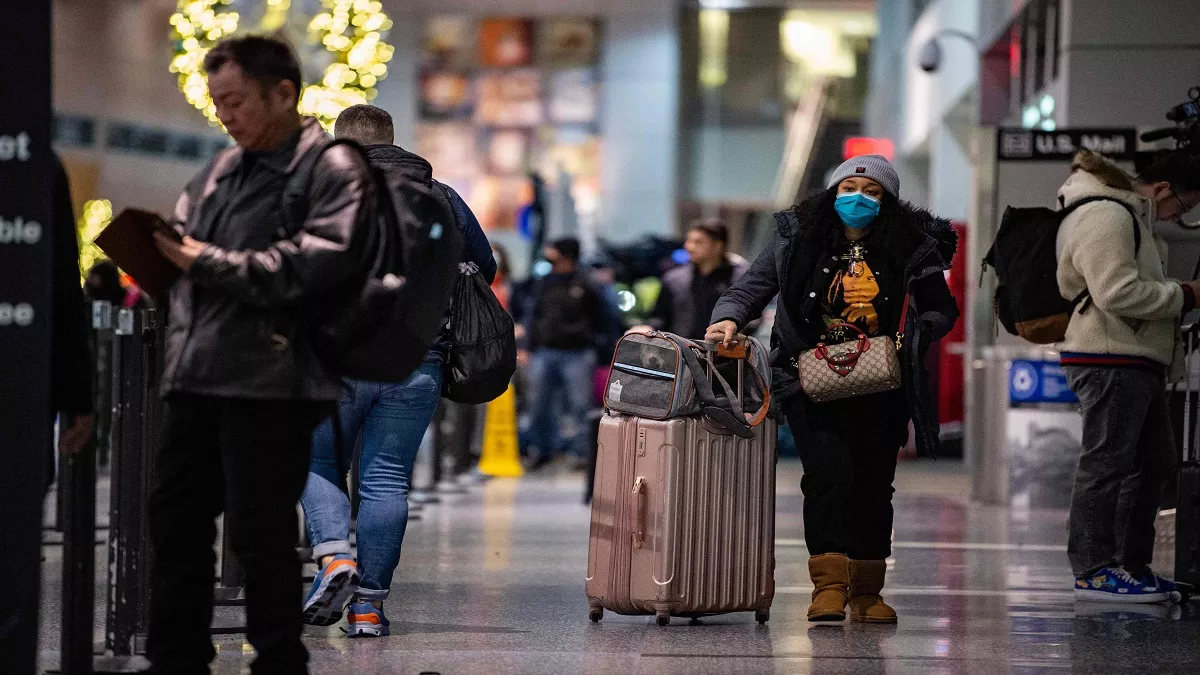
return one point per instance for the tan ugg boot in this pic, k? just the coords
(866, 581)
(830, 574)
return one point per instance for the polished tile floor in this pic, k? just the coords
(491, 581)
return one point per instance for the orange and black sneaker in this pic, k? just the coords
(367, 620)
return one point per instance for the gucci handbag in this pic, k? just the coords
(868, 365)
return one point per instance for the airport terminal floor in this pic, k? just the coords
(491, 581)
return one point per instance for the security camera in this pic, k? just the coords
(930, 57)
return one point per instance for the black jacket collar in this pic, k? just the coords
(312, 134)
(393, 156)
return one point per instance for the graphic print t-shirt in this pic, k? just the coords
(858, 293)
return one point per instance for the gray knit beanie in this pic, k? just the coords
(875, 167)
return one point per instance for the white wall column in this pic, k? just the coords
(640, 119)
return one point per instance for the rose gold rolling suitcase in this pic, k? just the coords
(683, 519)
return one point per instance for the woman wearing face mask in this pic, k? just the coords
(852, 254)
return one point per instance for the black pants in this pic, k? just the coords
(250, 460)
(849, 451)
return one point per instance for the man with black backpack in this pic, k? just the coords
(391, 420)
(1121, 345)
(243, 380)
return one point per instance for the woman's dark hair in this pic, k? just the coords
(1180, 168)
(268, 60)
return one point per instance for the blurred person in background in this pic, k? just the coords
(843, 263)
(391, 419)
(1119, 349)
(244, 386)
(563, 316)
(690, 292)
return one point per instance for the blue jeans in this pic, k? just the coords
(562, 384)
(392, 419)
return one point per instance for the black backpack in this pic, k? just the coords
(483, 345)
(1028, 303)
(379, 326)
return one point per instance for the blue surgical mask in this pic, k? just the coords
(856, 209)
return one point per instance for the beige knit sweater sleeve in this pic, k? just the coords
(1099, 244)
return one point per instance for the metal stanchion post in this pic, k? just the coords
(125, 551)
(452, 444)
(230, 587)
(437, 458)
(424, 478)
(153, 335)
(102, 333)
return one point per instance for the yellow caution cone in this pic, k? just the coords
(500, 456)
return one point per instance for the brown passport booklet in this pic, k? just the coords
(129, 241)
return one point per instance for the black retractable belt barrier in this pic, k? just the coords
(453, 446)
(427, 469)
(135, 357)
(229, 591)
(102, 345)
(129, 355)
(1187, 484)
(439, 442)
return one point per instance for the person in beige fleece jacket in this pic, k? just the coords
(1119, 349)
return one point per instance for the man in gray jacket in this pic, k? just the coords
(243, 385)
(690, 292)
(1120, 347)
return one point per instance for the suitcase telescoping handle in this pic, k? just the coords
(740, 351)
(638, 513)
(737, 351)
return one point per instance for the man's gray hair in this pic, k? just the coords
(366, 125)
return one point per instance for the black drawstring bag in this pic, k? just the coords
(483, 346)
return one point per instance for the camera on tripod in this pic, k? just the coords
(1186, 131)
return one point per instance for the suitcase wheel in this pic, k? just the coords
(595, 614)
(663, 617)
(762, 616)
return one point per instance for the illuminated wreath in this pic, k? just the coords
(351, 31)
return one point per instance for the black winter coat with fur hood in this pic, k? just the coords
(922, 244)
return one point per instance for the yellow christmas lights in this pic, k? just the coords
(351, 30)
(95, 216)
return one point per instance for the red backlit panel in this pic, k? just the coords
(859, 145)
